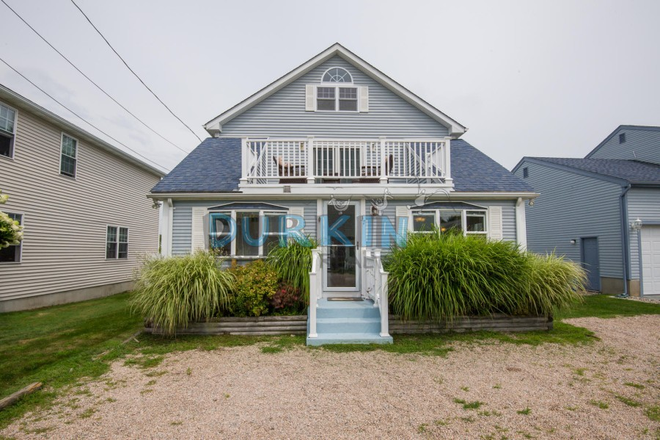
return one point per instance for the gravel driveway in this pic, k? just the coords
(481, 390)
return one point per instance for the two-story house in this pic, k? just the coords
(82, 203)
(338, 151)
(603, 210)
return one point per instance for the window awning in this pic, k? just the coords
(448, 205)
(248, 206)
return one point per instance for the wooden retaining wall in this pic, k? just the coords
(263, 325)
(297, 325)
(498, 323)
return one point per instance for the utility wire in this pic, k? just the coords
(129, 68)
(83, 119)
(90, 80)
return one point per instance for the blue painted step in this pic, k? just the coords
(347, 322)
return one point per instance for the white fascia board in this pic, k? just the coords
(456, 129)
(276, 192)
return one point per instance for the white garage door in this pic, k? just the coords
(651, 259)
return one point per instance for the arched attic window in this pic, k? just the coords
(336, 93)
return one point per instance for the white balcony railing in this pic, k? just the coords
(314, 160)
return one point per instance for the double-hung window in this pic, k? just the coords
(116, 246)
(7, 128)
(68, 156)
(12, 254)
(337, 92)
(247, 233)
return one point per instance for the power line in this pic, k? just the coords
(131, 70)
(80, 117)
(89, 79)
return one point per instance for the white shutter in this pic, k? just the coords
(310, 98)
(199, 234)
(402, 212)
(495, 223)
(364, 99)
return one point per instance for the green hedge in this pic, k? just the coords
(442, 276)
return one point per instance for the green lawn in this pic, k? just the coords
(60, 345)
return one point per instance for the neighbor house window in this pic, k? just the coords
(622, 138)
(525, 173)
(69, 156)
(256, 232)
(336, 92)
(7, 126)
(450, 221)
(12, 254)
(116, 243)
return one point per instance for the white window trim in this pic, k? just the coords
(128, 241)
(262, 214)
(436, 211)
(20, 245)
(13, 144)
(75, 171)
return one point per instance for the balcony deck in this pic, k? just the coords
(316, 161)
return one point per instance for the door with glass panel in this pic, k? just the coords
(341, 272)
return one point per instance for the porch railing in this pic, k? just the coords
(376, 287)
(313, 160)
(315, 291)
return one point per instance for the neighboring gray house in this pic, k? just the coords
(336, 150)
(83, 206)
(603, 210)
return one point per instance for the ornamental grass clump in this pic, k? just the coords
(293, 263)
(171, 292)
(442, 276)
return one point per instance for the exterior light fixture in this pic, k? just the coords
(636, 225)
(573, 241)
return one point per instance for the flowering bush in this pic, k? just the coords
(11, 232)
(287, 300)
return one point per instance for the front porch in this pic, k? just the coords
(317, 161)
(335, 317)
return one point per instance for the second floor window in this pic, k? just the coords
(336, 92)
(116, 243)
(69, 155)
(7, 125)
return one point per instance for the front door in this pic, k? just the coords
(340, 253)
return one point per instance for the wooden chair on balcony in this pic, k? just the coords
(371, 174)
(289, 173)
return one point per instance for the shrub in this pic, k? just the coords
(287, 300)
(293, 263)
(171, 292)
(438, 276)
(256, 283)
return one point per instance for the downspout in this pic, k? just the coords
(624, 239)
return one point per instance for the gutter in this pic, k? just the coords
(625, 239)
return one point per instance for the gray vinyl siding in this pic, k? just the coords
(572, 206)
(182, 219)
(641, 144)
(283, 113)
(65, 219)
(643, 203)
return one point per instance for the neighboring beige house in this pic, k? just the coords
(82, 202)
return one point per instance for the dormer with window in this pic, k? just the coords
(337, 93)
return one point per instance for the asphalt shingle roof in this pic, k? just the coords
(215, 166)
(634, 172)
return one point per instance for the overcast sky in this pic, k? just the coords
(527, 78)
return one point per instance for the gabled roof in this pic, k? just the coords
(215, 167)
(214, 126)
(12, 98)
(618, 129)
(626, 171)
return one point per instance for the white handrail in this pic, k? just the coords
(314, 291)
(376, 287)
